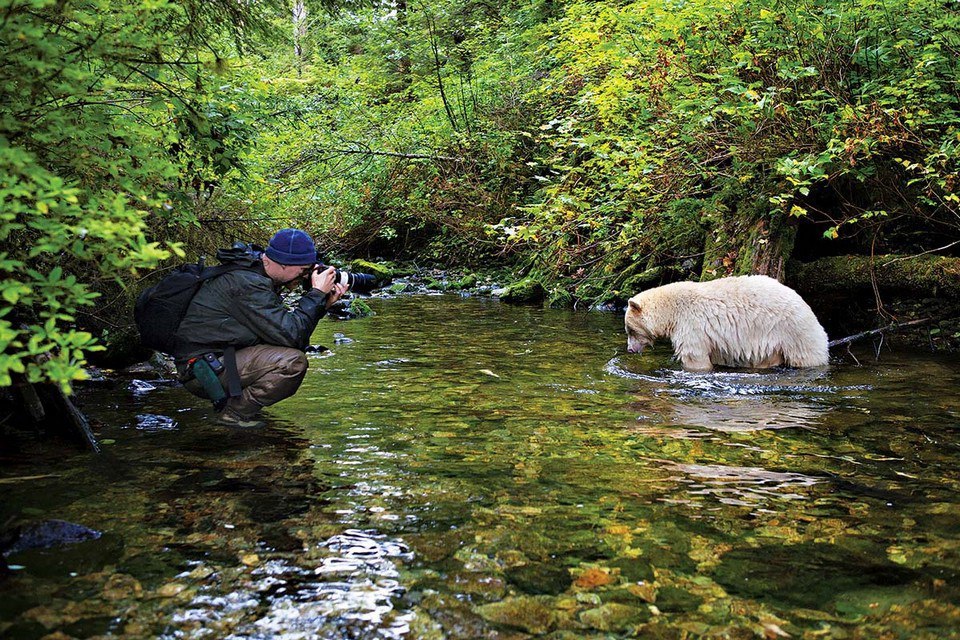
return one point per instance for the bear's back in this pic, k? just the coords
(751, 317)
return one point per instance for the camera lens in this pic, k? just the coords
(363, 283)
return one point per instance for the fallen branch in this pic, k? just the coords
(896, 326)
(324, 155)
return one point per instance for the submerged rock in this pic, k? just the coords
(56, 548)
(532, 614)
(47, 535)
(614, 616)
(540, 578)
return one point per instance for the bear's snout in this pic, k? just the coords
(634, 345)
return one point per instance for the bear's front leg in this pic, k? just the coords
(696, 363)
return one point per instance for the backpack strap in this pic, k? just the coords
(209, 273)
(234, 388)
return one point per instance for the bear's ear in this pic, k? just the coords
(634, 306)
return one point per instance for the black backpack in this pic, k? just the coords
(161, 308)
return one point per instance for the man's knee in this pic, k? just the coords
(257, 361)
(280, 372)
(295, 363)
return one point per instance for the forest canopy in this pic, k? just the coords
(588, 144)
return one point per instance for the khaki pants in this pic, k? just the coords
(268, 374)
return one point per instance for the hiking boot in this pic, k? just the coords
(230, 419)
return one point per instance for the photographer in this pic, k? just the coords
(238, 325)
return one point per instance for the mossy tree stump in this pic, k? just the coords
(747, 240)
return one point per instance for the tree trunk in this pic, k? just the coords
(299, 31)
(748, 242)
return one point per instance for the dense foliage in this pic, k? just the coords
(684, 127)
(104, 123)
(600, 143)
(598, 146)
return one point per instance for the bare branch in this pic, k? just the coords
(896, 326)
(923, 253)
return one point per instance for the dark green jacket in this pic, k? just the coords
(243, 308)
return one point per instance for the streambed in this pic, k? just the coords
(461, 468)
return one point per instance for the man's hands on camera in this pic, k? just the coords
(324, 281)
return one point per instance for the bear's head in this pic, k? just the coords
(639, 334)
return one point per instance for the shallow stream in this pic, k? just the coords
(459, 468)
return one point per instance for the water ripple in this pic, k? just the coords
(734, 383)
(350, 594)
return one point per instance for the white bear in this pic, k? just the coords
(743, 321)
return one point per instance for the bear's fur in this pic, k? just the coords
(744, 321)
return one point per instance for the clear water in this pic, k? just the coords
(467, 469)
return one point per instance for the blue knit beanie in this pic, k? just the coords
(291, 247)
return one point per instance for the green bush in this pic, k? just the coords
(102, 125)
(846, 115)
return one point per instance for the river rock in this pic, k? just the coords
(527, 290)
(533, 614)
(381, 272)
(49, 534)
(540, 578)
(614, 616)
(121, 586)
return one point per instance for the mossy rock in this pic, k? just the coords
(560, 299)
(381, 272)
(525, 291)
(402, 270)
(360, 309)
(468, 281)
(435, 285)
(122, 348)
(399, 287)
(642, 281)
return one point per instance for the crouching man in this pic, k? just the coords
(238, 329)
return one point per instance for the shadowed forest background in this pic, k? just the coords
(587, 149)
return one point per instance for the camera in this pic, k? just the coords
(362, 283)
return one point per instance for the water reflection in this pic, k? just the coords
(747, 414)
(152, 422)
(139, 387)
(738, 486)
(733, 401)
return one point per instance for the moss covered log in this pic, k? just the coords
(918, 276)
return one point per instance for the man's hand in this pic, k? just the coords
(323, 280)
(336, 294)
